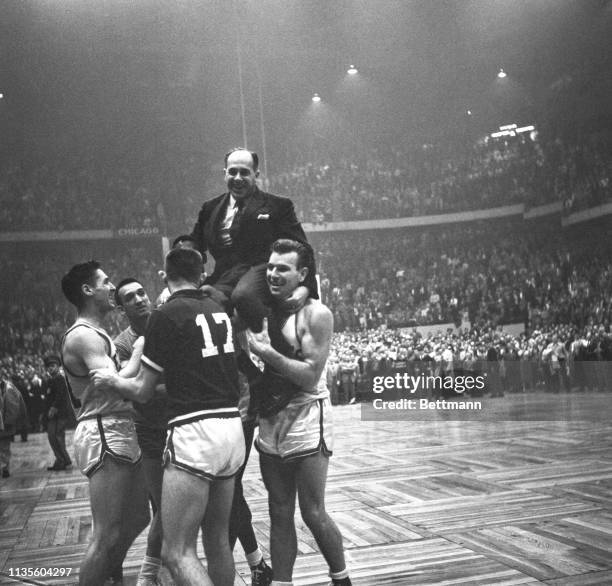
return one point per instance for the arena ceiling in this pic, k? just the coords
(145, 70)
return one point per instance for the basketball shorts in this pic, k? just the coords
(105, 436)
(208, 444)
(297, 431)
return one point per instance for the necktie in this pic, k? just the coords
(239, 208)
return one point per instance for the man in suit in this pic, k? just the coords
(58, 413)
(238, 229)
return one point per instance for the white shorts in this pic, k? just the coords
(102, 436)
(297, 431)
(208, 444)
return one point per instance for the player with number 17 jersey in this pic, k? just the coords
(190, 340)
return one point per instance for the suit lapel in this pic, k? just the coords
(252, 205)
(213, 222)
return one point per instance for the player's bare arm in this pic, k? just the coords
(296, 300)
(85, 350)
(139, 388)
(129, 368)
(315, 332)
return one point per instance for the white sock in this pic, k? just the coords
(149, 568)
(254, 557)
(339, 575)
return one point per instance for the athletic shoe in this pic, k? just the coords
(342, 582)
(261, 574)
(56, 467)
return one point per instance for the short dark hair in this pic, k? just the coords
(184, 263)
(303, 250)
(123, 283)
(253, 155)
(183, 238)
(75, 278)
(188, 238)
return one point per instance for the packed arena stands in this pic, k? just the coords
(382, 284)
(486, 273)
(475, 278)
(165, 192)
(437, 179)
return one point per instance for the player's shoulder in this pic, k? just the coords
(122, 335)
(164, 319)
(80, 333)
(316, 312)
(165, 310)
(186, 302)
(81, 338)
(125, 338)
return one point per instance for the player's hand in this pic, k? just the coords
(259, 342)
(102, 378)
(138, 346)
(214, 294)
(296, 300)
(52, 412)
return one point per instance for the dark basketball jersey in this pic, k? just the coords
(190, 340)
(153, 412)
(274, 391)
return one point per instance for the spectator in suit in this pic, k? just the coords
(58, 413)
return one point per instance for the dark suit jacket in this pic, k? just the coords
(265, 218)
(57, 396)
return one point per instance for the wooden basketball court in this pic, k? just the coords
(418, 502)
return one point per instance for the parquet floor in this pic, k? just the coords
(419, 502)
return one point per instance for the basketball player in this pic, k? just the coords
(105, 443)
(150, 418)
(189, 340)
(182, 241)
(294, 438)
(240, 526)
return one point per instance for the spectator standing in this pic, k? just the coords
(58, 413)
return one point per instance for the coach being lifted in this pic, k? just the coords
(238, 229)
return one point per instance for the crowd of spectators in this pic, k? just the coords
(562, 358)
(85, 193)
(431, 180)
(378, 283)
(33, 311)
(483, 275)
(155, 191)
(473, 277)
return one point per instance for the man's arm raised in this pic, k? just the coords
(316, 334)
